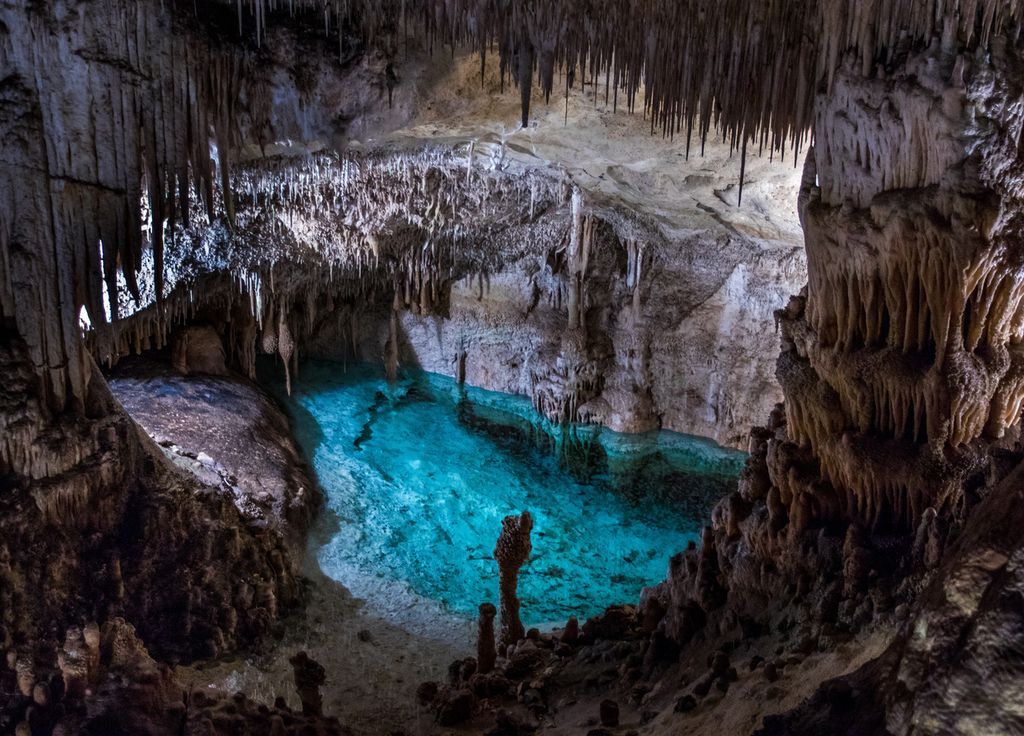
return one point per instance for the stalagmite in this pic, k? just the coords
(309, 676)
(73, 660)
(512, 551)
(486, 654)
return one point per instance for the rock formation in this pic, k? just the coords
(486, 653)
(309, 678)
(512, 551)
(138, 203)
(129, 692)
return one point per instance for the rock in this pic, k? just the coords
(524, 662)
(609, 713)
(719, 664)
(73, 660)
(309, 676)
(685, 704)
(508, 724)
(486, 652)
(771, 672)
(614, 623)
(512, 551)
(702, 688)
(571, 633)
(489, 685)
(198, 350)
(24, 667)
(456, 707)
(427, 692)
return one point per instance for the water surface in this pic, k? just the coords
(419, 474)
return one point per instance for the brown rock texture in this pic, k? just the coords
(198, 349)
(512, 551)
(486, 652)
(127, 691)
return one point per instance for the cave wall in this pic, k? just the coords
(101, 102)
(659, 347)
(882, 493)
(903, 366)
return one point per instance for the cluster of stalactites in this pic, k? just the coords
(751, 69)
(918, 329)
(357, 226)
(122, 144)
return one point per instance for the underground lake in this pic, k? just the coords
(418, 474)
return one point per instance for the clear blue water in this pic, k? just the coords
(419, 474)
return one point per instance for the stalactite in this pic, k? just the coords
(750, 70)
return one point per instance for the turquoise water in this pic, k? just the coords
(419, 474)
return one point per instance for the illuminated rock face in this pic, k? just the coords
(902, 382)
(902, 364)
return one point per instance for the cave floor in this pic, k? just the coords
(227, 431)
(375, 659)
(373, 667)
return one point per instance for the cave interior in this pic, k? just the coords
(592, 367)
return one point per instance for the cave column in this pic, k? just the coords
(903, 363)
